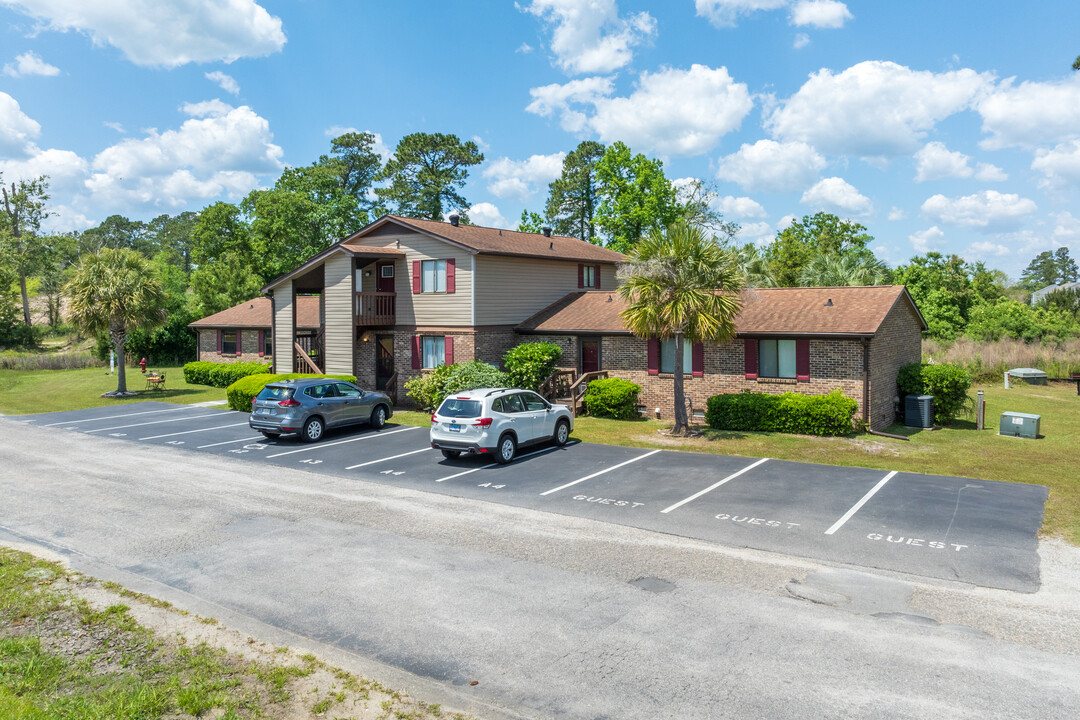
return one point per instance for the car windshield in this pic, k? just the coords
(457, 407)
(271, 392)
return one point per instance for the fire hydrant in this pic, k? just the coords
(142, 366)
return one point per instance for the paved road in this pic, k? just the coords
(554, 616)
(980, 532)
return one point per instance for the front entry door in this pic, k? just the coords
(384, 360)
(384, 280)
(590, 356)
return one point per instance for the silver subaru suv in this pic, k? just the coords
(497, 421)
(309, 406)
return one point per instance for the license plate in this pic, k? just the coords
(264, 411)
(454, 428)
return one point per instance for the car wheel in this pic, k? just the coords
(451, 454)
(562, 433)
(506, 450)
(378, 417)
(313, 429)
(271, 435)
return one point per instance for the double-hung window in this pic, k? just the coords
(268, 344)
(667, 356)
(433, 276)
(588, 276)
(434, 352)
(228, 342)
(776, 358)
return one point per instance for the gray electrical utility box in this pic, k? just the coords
(1016, 424)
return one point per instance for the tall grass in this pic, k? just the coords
(989, 360)
(48, 361)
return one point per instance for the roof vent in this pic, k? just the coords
(609, 298)
(546, 230)
(829, 303)
(454, 219)
(251, 307)
(551, 246)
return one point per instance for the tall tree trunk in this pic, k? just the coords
(119, 340)
(682, 423)
(25, 297)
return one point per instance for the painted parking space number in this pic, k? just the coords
(174, 442)
(308, 461)
(761, 522)
(493, 487)
(390, 472)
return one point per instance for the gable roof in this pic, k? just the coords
(256, 313)
(855, 311)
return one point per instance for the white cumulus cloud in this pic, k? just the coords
(17, 129)
(725, 13)
(1060, 166)
(522, 178)
(770, 166)
(820, 13)
(985, 172)
(874, 108)
(165, 33)
(935, 161)
(986, 209)
(589, 36)
(30, 64)
(926, 240)
(1031, 113)
(225, 82)
(838, 195)
(801, 41)
(896, 214)
(985, 249)
(487, 215)
(554, 99)
(740, 207)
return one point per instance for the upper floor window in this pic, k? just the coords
(776, 358)
(667, 356)
(433, 276)
(588, 276)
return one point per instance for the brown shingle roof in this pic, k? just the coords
(494, 241)
(766, 311)
(255, 313)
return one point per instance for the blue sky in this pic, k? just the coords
(950, 126)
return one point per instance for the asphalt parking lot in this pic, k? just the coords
(973, 531)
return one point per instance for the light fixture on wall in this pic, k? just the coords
(366, 336)
(367, 273)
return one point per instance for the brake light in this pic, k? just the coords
(433, 418)
(483, 422)
(289, 403)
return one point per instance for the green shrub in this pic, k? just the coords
(241, 392)
(530, 364)
(430, 389)
(612, 398)
(949, 384)
(222, 375)
(789, 413)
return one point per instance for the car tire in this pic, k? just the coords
(271, 435)
(506, 450)
(378, 417)
(313, 430)
(451, 454)
(562, 433)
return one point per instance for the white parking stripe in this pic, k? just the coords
(855, 508)
(230, 442)
(392, 457)
(596, 474)
(188, 432)
(155, 422)
(341, 442)
(114, 417)
(519, 457)
(730, 477)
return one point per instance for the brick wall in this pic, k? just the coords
(488, 344)
(249, 347)
(897, 342)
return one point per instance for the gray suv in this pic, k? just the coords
(311, 405)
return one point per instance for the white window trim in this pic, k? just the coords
(435, 275)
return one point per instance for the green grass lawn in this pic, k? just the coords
(37, 391)
(961, 450)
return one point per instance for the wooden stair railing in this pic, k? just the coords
(391, 388)
(577, 390)
(307, 359)
(557, 384)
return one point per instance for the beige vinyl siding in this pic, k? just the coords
(443, 309)
(509, 290)
(338, 313)
(283, 327)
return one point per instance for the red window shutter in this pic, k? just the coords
(262, 343)
(580, 275)
(750, 358)
(416, 277)
(416, 352)
(654, 356)
(802, 360)
(220, 333)
(597, 276)
(448, 350)
(450, 283)
(697, 354)
(239, 345)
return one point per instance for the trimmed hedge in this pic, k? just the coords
(222, 375)
(612, 398)
(948, 383)
(241, 392)
(788, 413)
(528, 365)
(431, 388)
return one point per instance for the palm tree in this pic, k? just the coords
(843, 270)
(116, 291)
(684, 286)
(754, 267)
